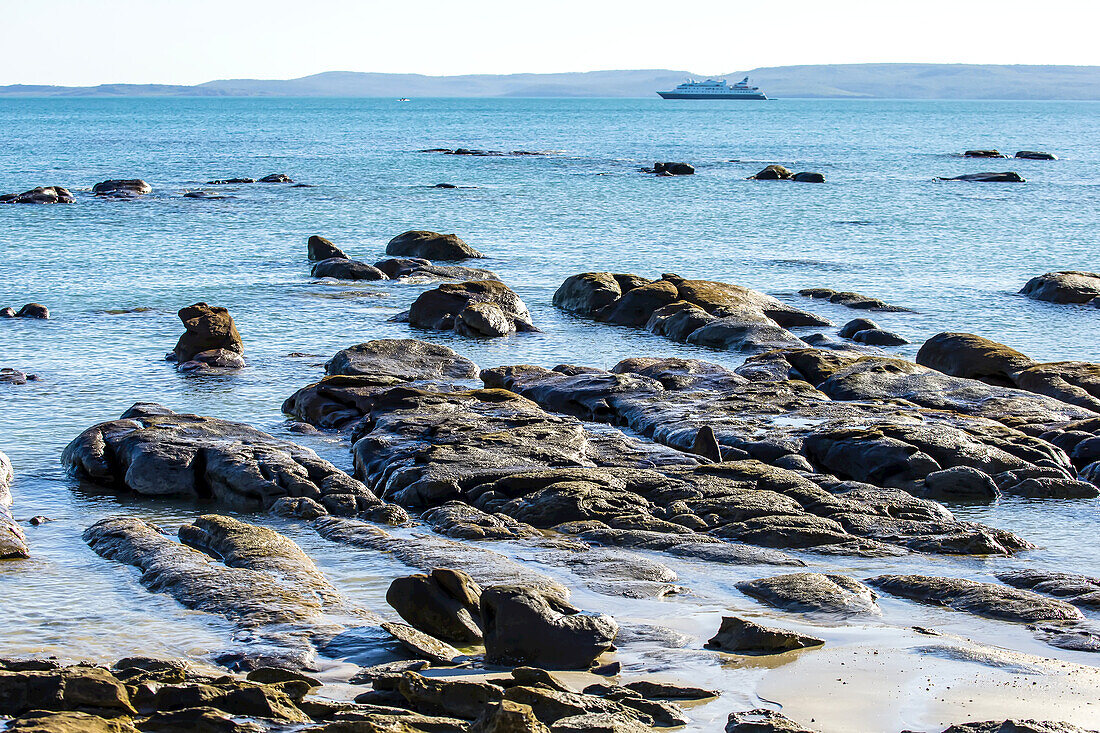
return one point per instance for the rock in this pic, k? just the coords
(298, 507)
(276, 178)
(226, 181)
(808, 177)
(1006, 177)
(460, 520)
(85, 688)
(508, 717)
(961, 483)
(119, 187)
(1035, 155)
(667, 691)
(1080, 590)
(367, 675)
(199, 720)
(879, 337)
(42, 721)
(208, 195)
(772, 173)
(982, 599)
(445, 185)
(214, 360)
(445, 604)
(14, 376)
(671, 169)
(422, 645)
(813, 593)
(588, 292)
(984, 154)
(1015, 726)
(479, 307)
(430, 246)
(13, 543)
(344, 269)
(7, 312)
(550, 706)
(854, 326)
(742, 636)
(524, 625)
(762, 720)
(420, 268)
(207, 328)
(33, 310)
(153, 451)
(857, 301)
(451, 697)
(600, 723)
(39, 195)
(319, 249)
(407, 360)
(1067, 286)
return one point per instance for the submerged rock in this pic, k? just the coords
(475, 308)
(344, 269)
(982, 599)
(119, 187)
(1067, 286)
(528, 626)
(813, 593)
(1006, 177)
(430, 246)
(39, 195)
(206, 328)
(13, 543)
(318, 248)
(226, 181)
(742, 636)
(153, 451)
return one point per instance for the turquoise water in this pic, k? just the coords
(956, 253)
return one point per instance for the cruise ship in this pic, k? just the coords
(714, 89)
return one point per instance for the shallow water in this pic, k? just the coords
(114, 273)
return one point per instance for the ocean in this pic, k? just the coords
(114, 272)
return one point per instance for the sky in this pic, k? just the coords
(86, 42)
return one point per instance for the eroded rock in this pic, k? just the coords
(814, 593)
(207, 329)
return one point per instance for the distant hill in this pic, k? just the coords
(881, 81)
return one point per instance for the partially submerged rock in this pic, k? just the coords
(30, 310)
(122, 187)
(773, 173)
(318, 248)
(39, 195)
(1067, 286)
(1080, 590)
(982, 599)
(529, 626)
(420, 268)
(854, 300)
(476, 308)
(814, 593)
(430, 246)
(276, 178)
(1006, 177)
(344, 269)
(671, 169)
(984, 154)
(1035, 155)
(13, 543)
(206, 329)
(153, 451)
(742, 636)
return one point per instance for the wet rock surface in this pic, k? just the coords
(417, 267)
(445, 603)
(153, 451)
(13, 543)
(1035, 155)
(1064, 287)
(122, 188)
(318, 248)
(1005, 177)
(762, 720)
(671, 169)
(972, 596)
(431, 246)
(30, 310)
(39, 195)
(742, 636)
(345, 269)
(1082, 591)
(480, 308)
(207, 329)
(814, 593)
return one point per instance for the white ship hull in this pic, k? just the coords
(718, 95)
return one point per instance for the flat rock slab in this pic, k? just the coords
(982, 599)
(814, 593)
(408, 360)
(1080, 590)
(422, 645)
(153, 451)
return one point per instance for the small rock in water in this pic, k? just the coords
(30, 310)
(808, 177)
(1035, 155)
(1067, 286)
(276, 178)
(773, 173)
(344, 269)
(746, 637)
(39, 519)
(225, 181)
(122, 187)
(671, 169)
(14, 376)
(1006, 177)
(39, 195)
(319, 248)
(668, 691)
(430, 246)
(210, 338)
(854, 326)
(984, 154)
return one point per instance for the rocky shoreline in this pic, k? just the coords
(817, 449)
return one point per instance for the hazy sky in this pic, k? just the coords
(190, 41)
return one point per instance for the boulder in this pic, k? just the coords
(153, 451)
(588, 292)
(671, 169)
(762, 720)
(226, 181)
(344, 269)
(479, 307)
(445, 604)
(121, 187)
(84, 688)
(206, 328)
(319, 248)
(878, 337)
(1068, 286)
(1035, 155)
(44, 721)
(276, 178)
(668, 691)
(772, 173)
(808, 177)
(1016, 726)
(529, 626)
(33, 310)
(403, 359)
(13, 543)
(854, 326)
(430, 246)
(984, 154)
(1006, 177)
(982, 599)
(456, 698)
(961, 483)
(14, 376)
(40, 195)
(742, 636)
(420, 268)
(813, 593)
(550, 706)
(214, 360)
(507, 716)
